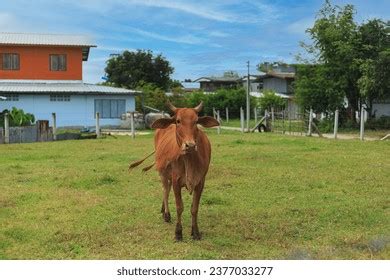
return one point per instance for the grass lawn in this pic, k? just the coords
(267, 196)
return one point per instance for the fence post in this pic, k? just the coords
(310, 122)
(336, 123)
(214, 113)
(242, 119)
(362, 113)
(266, 118)
(6, 128)
(255, 114)
(54, 126)
(132, 124)
(227, 115)
(283, 116)
(219, 120)
(97, 125)
(272, 118)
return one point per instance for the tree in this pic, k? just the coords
(151, 96)
(374, 64)
(133, 69)
(350, 61)
(334, 49)
(314, 89)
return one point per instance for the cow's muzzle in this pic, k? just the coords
(189, 147)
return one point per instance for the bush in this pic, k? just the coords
(382, 123)
(17, 117)
(222, 98)
(270, 99)
(326, 125)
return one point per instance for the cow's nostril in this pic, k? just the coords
(189, 145)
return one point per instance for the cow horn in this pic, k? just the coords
(199, 107)
(170, 106)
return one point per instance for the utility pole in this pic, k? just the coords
(248, 112)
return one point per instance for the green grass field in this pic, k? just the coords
(266, 197)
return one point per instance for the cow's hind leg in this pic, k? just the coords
(165, 207)
(179, 208)
(194, 210)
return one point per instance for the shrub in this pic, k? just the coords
(270, 99)
(17, 117)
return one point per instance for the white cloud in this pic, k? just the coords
(8, 23)
(300, 26)
(186, 39)
(195, 9)
(219, 34)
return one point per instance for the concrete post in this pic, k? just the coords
(6, 128)
(266, 118)
(362, 115)
(219, 120)
(272, 118)
(242, 119)
(255, 114)
(54, 126)
(336, 123)
(227, 115)
(132, 124)
(310, 122)
(97, 125)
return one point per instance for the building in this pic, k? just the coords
(230, 79)
(280, 80)
(42, 74)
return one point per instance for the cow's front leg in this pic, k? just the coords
(194, 210)
(165, 207)
(179, 208)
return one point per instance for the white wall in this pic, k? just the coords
(381, 109)
(79, 111)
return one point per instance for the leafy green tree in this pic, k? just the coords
(335, 46)
(351, 61)
(133, 69)
(314, 89)
(374, 82)
(151, 96)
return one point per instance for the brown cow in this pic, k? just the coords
(182, 158)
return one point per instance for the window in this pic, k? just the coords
(59, 97)
(110, 108)
(10, 97)
(58, 62)
(10, 61)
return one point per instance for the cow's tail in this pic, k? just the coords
(147, 168)
(138, 162)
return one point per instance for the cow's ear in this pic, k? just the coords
(208, 121)
(162, 123)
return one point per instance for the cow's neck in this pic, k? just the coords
(191, 171)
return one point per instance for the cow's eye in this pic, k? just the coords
(177, 121)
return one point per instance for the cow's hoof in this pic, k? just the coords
(167, 217)
(178, 237)
(196, 235)
(179, 233)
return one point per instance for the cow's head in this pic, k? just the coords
(186, 121)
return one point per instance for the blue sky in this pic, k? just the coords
(199, 38)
